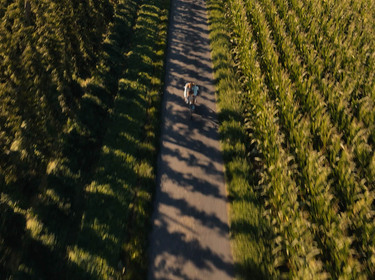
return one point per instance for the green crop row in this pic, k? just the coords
(354, 131)
(342, 45)
(112, 243)
(291, 230)
(297, 125)
(361, 199)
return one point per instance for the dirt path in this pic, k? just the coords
(190, 237)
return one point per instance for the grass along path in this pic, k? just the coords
(246, 209)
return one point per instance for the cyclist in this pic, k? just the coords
(190, 90)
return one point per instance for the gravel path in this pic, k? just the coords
(190, 236)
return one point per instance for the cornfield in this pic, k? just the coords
(307, 75)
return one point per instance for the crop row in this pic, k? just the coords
(300, 142)
(360, 212)
(344, 42)
(357, 132)
(311, 115)
(335, 94)
(292, 236)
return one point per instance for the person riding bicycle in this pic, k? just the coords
(190, 91)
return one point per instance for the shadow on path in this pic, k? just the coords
(190, 237)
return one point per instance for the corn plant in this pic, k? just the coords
(304, 109)
(277, 83)
(277, 185)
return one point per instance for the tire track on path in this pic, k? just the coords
(190, 235)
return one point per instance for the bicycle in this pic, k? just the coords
(191, 104)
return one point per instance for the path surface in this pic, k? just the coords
(190, 237)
